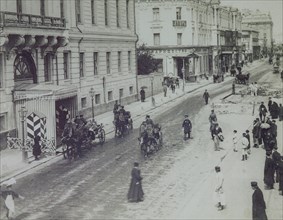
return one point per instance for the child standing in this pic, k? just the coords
(235, 141)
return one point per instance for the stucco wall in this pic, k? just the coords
(145, 81)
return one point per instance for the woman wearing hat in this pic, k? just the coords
(135, 193)
(9, 195)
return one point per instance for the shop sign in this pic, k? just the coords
(28, 95)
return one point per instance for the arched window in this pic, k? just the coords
(24, 67)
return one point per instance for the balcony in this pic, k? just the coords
(179, 23)
(12, 19)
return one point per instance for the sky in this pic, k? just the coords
(275, 7)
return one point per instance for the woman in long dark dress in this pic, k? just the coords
(135, 193)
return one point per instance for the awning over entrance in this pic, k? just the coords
(193, 55)
(34, 91)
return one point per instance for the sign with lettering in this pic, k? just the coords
(22, 95)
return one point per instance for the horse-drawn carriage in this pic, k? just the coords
(150, 139)
(242, 78)
(77, 138)
(123, 123)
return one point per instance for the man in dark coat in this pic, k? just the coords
(249, 140)
(135, 193)
(280, 112)
(262, 111)
(274, 110)
(258, 203)
(276, 158)
(269, 103)
(206, 96)
(269, 170)
(280, 173)
(36, 151)
(256, 133)
(142, 93)
(187, 126)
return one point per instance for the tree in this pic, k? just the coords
(146, 63)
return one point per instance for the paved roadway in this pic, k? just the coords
(95, 186)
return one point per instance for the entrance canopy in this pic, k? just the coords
(34, 91)
(193, 55)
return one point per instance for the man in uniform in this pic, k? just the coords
(187, 126)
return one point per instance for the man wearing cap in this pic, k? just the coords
(135, 193)
(269, 170)
(216, 133)
(262, 111)
(206, 96)
(187, 126)
(219, 189)
(258, 203)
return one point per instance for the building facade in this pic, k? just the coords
(174, 31)
(250, 43)
(53, 52)
(261, 22)
(190, 36)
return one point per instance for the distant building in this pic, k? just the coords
(262, 22)
(53, 52)
(250, 43)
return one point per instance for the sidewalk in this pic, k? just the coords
(11, 160)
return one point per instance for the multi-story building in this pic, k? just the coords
(191, 36)
(226, 32)
(178, 33)
(53, 52)
(261, 22)
(250, 44)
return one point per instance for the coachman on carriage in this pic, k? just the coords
(242, 78)
(122, 121)
(150, 139)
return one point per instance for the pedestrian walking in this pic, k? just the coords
(36, 148)
(177, 83)
(217, 136)
(262, 112)
(276, 158)
(245, 144)
(258, 203)
(235, 141)
(249, 140)
(213, 120)
(142, 93)
(173, 87)
(274, 110)
(187, 126)
(165, 89)
(280, 112)
(256, 133)
(135, 193)
(9, 195)
(269, 170)
(255, 89)
(252, 88)
(233, 88)
(269, 103)
(206, 96)
(219, 190)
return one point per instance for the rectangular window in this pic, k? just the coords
(192, 14)
(179, 38)
(117, 13)
(156, 14)
(106, 11)
(129, 60)
(83, 102)
(121, 93)
(42, 7)
(110, 96)
(78, 11)
(95, 63)
(66, 62)
(1, 70)
(97, 99)
(127, 13)
(3, 122)
(82, 63)
(47, 67)
(119, 61)
(108, 62)
(178, 13)
(62, 8)
(92, 12)
(131, 90)
(19, 6)
(156, 39)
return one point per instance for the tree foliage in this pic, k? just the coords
(146, 63)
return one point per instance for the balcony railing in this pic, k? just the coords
(179, 23)
(8, 19)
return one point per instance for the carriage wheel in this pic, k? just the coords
(102, 137)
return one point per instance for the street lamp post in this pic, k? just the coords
(92, 94)
(22, 114)
(152, 99)
(183, 74)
